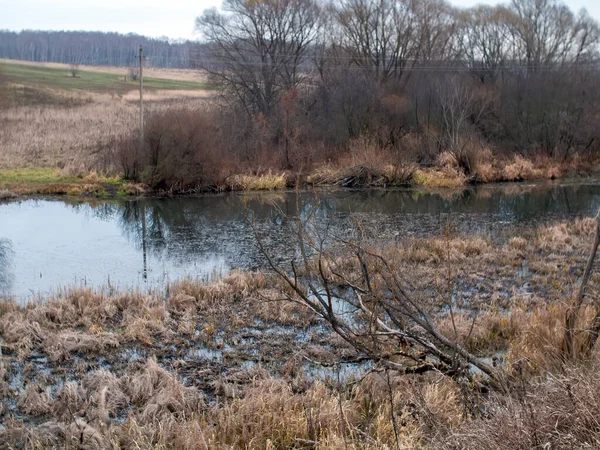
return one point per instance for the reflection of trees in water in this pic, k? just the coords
(104, 211)
(6, 275)
(188, 229)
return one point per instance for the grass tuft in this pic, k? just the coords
(266, 182)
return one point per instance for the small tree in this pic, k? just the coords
(133, 72)
(74, 70)
(592, 331)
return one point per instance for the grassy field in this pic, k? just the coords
(89, 81)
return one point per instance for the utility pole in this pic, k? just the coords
(141, 98)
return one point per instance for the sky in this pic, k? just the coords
(157, 18)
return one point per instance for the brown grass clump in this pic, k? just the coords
(161, 393)
(557, 411)
(524, 169)
(367, 164)
(486, 173)
(517, 243)
(436, 250)
(270, 414)
(5, 194)
(487, 332)
(35, 401)
(446, 178)
(266, 182)
(58, 346)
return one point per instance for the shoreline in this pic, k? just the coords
(40, 182)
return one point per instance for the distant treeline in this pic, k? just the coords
(96, 48)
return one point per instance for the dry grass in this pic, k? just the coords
(41, 136)
(266, 182)
(558, 411)
(523, 169)
(80, 137)
(445, 178)
(366, 164)
(166, 398)
(5, 194)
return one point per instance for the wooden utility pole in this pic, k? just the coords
(141, 98)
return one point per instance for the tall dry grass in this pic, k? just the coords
(81, 136)
(366, 163)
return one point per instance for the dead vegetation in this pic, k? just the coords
(81, 136)
(231, 365)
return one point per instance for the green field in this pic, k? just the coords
(54, 78)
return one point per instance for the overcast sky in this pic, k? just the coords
(171, 18)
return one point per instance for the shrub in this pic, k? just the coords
(180, 152)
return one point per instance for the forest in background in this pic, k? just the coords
(95, 48)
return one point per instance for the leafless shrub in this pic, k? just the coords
(362, 296)
(132, 73)
(180, 152)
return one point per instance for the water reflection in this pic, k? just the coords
(6, 275)
(152, 241)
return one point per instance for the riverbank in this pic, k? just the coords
(81, 183)
(66, 135)
(232, 364)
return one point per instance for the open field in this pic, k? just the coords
(66, 128)
(89, 80)
(193, 75)
(232, 365)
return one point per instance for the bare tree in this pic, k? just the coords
(257, 50)
(485, 37)
(462, 107)
(74, 70)
(546, 31)
(379, 36)
(437, 30)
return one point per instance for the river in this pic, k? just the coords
(47, 245)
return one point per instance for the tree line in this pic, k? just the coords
(521, 76)
(95, 48)
(262, 48)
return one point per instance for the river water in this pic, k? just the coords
(52, 244)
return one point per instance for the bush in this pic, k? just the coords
(180, 152)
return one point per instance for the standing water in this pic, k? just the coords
(46, 245)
